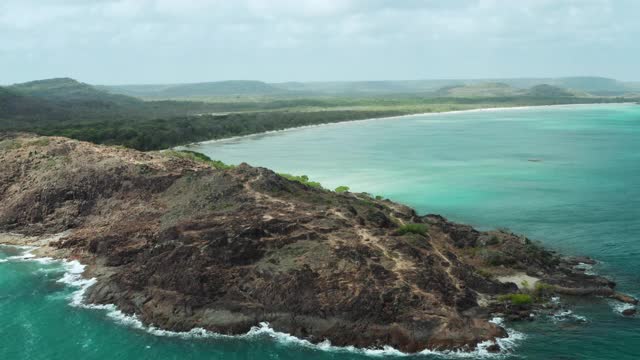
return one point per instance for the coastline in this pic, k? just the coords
(397, 117)
(75, 276)
(137, 258)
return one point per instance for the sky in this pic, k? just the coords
(178, 41)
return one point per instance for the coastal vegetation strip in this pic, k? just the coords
(65, 107)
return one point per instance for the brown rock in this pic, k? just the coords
(629, 312)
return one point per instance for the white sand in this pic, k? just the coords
(519, 279)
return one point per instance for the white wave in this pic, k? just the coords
(587, 268)
(73, 277)
(619, 307)
(24, 247)
(22, 257)
(45, 260)
(26, 255)
(564, 315)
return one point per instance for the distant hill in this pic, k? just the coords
(456, 87)
(54, 101)
(489, 89)
(66, 91)
(593, 85)
(545, 90)
(470, 87)
(634, 86)
(368, 87)
(198, 90)
(17, 106)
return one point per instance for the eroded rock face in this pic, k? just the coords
(183, 245)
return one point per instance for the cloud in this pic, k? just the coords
(335, 29)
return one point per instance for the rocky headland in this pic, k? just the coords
(183, 242)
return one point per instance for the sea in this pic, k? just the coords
(565, 176)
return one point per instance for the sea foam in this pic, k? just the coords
(565, 315)
(619, 307)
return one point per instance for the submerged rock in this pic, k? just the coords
(629, 312)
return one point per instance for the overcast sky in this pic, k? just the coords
(168, 41)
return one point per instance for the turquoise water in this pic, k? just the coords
(580, 196)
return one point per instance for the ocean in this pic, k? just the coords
(567, 176)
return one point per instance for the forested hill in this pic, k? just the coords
(67, 101)
(69, 91)
(16, 106)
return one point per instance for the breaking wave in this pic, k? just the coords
(568, 315)
(619, 307)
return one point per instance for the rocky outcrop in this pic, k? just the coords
(183, 245)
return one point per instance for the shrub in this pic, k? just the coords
(39, 142)
(10, 144)
(493, 240)
(378, 197)
(302, 179)
(484, 273)
(199, 157)
(497, 258)
(542, 290)
(420, 229)
(341, 189)
(516, 299)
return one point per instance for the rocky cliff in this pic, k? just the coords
(182, 244)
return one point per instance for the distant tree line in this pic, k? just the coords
(164, 133)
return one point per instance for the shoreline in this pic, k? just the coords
(125, 261)
(397, 117)
(74, 278)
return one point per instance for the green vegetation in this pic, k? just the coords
(341, 189)
(545, 90)
(516, 299)
(303, 179)
(493, 240)
(539, 294)
(485, 273)
(65, 107)
(199, 157)
(40, 142)
(10, 144)
(497, 258)
(420, 229)
(165, 133)
(542, 291)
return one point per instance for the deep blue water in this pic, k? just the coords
(580, 196)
